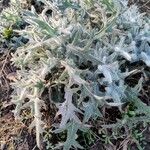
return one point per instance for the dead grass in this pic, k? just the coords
(9, 129)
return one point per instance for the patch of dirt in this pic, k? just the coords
(5, 89)
(14, 135)
(97, 146)
(9, 129)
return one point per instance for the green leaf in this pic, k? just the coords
(7, 33)
(45, 27)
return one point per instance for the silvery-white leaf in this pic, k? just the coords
(145, 58)
(67, 109)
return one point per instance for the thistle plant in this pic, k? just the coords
(81, 39)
